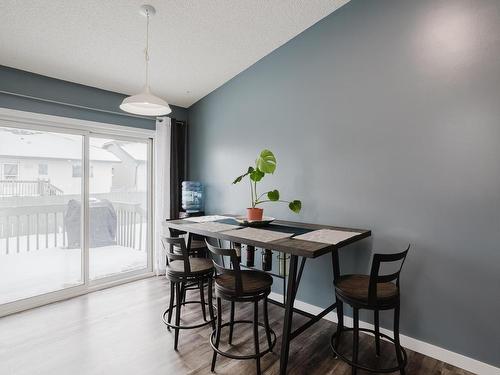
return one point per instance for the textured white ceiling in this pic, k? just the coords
(196, 45)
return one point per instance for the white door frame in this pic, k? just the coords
(87, 129)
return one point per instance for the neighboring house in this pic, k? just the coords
(131, 174)
(31, 157)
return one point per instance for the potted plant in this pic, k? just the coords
(265, 164)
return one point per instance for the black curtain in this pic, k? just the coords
(178, 164)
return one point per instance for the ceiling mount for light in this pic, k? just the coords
(145, 103)
(147, 10)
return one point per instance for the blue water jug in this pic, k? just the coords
(192, 196)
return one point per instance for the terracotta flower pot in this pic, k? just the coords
(255, 214)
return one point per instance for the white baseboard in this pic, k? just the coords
(422, 347)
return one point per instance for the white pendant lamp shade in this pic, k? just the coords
(145, 103)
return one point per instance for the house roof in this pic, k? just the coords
(139, 151)
(135, 150)
(34, 144)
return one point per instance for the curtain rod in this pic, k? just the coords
(177, 122)
(74, 105)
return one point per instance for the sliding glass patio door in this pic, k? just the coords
(75, 211)
(118, 206)
(37, 186)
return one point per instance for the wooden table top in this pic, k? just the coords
(308, 249)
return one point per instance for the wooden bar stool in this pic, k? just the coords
(235, 285)
(372, 292)
(186, 273)
(194, 243)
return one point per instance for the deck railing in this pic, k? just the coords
(31, 228)
(131, 225)
(28, 188)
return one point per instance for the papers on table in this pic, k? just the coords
(329, 236)
(208, 218)
(261, 235)
(211, 226)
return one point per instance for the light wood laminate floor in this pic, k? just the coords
(119, 331)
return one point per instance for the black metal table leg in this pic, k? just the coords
(340, 305)
(189, 239)
(287, 325)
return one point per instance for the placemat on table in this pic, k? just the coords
(256, 234)
(211, 226)
(207, 218)
(329, 236)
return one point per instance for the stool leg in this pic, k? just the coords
(171, 304)
(340, 323)
(231, 324)
(202, 299)
(256, 333)
(355, 339)
(266, 323)
(397, 345)
(178, 289)
(183, 292)
(377, 332)
(217, 332)
(210, 305)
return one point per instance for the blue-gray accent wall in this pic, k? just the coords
(32, 92)
(384, 115)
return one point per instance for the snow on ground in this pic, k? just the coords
(27, 274)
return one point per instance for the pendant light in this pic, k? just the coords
(145, 103)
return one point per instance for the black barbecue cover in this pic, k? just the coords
(102, 223)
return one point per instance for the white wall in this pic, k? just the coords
(142, 176)
(102, 176)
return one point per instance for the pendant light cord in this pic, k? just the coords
(145, 103)
(147, 48)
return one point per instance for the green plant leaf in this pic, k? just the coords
(295, 206)
(273, 195)
(256, 175)
(266, 162)
(239, 178)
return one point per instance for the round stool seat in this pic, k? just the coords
(253, 283)
(198, 266)
(355, 287)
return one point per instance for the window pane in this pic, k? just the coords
(10, 171)
(77, 170)
(43, 169)
(118, 207)
(40, 237)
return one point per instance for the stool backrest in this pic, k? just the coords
(235, 271)
(377, 278)
(169, 244)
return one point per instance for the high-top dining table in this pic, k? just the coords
(299, 240)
